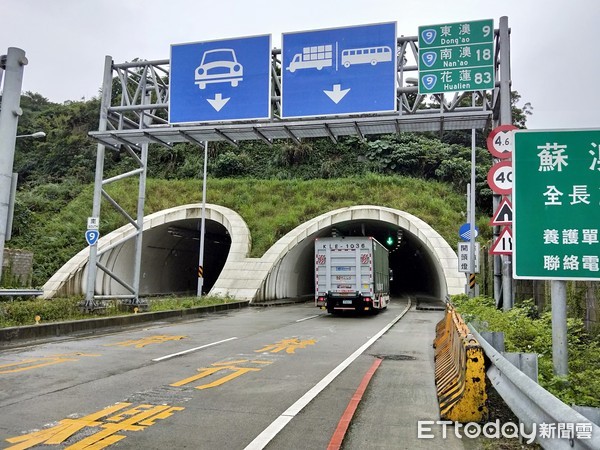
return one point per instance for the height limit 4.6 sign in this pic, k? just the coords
(556, 205)
(456, 57)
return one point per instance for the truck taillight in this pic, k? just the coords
(368, 299)
(321, 299)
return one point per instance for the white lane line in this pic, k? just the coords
(173, 355)
(308, 318)
(278, 424)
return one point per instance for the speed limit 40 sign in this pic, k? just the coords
(500, 178)
(501, 141)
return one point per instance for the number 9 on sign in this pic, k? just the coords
(500, 178)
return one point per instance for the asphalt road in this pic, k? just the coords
(249, 378)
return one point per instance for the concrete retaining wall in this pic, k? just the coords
(17, 267)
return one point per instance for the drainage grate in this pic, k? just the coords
(396, 357)
(430, 304)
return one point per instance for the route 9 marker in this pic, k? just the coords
(500, 178)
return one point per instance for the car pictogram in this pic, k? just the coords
(219, 66)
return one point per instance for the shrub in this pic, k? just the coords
(17, 313)
(229, 164)
(525, 332)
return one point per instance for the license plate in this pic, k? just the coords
(346, 302)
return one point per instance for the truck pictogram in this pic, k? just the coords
(314, 57)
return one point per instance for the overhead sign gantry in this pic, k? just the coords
(324, 83)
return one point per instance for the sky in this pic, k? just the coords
(555, 61)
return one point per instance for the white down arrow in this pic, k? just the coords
(218, 102)
(337, 94)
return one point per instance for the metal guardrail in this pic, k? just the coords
(20, 292)
(534, 405)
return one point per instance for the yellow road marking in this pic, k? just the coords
(30, 364)
(139, 343)
(222, 366)
(137, 418)
(289, 345)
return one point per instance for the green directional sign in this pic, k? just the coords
(556, 205)
(456, 57)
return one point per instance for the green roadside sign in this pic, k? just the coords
(456, 57)
(556, 205)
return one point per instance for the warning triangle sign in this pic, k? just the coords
(504, 213)
(503, 245)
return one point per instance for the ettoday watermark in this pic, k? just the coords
(495, 430)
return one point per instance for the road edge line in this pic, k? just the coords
(278, 424)
(340, 432)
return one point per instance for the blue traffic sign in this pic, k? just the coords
(220, 80)
(465, 231)
(91, 236)
(339, 71)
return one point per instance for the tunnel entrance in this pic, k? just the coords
(170, 257)
(422, 261)
(414, 269)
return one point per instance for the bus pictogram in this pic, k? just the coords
(368, 55)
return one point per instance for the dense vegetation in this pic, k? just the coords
(259, 202)
(56, 177)
(527, 331)
(30, 312)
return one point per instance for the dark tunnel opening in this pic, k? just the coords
(170, 260)
(171, 256)
(414, 272)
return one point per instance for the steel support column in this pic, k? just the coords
(89, 302)
(560, 355)
(9, 117)
(505, 119)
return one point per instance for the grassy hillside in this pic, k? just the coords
(271, 208)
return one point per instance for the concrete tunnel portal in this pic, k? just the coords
(414, 272)
(422, 262)
(179, 245)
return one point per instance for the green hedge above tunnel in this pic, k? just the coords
(271, 208)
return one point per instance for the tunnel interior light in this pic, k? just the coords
(183, 233)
